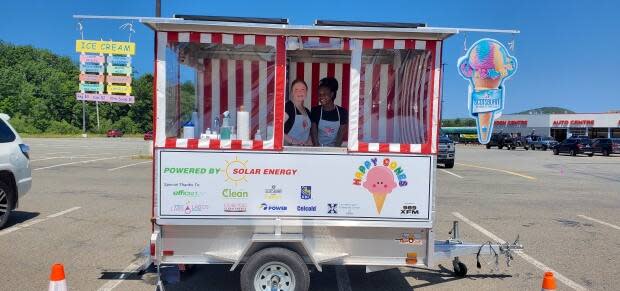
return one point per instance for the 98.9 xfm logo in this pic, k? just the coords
(409, 209)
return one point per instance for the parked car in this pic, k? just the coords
(501, 140)
(15, 172)
(446, 152)
(574, 146)
(148, 135)
(606, 146)
(115, 133)
(543, 143)
(520, 142)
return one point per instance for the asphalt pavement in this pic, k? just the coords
(89, 209)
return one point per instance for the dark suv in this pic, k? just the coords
(606, 146)
(501, 140)
(574, 146)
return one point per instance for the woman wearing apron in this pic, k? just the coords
(297, 117)
(329, 121)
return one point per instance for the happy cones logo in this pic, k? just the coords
(380, 177)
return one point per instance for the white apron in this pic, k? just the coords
(301, 128)
(328, 130)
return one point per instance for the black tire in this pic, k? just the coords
(449, 164)
(488, 146)
(532, 147)
(460, 270)
(286, 258)
(6, 201)
(512, 148)
(544, 148)
(572, 153)
(500, 147)
(590, 154)
(556, 152)
(605, 153)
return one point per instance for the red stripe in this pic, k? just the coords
(257, 145)
(409, 44)
(331, 70)
(316, 75)
(173, 37)
(192, 143)
(260, 40)
(376, 85)
(300, 71)
(405, 148)
(223, 85)
(388, 44)
(238, 39)
(346, 46)
(235, 144)
(346, 73)
(207, 90)
(367, 44)
(384, 147)
(390, 105)
(239, 85)
(194, 37)
(323, 39)
(279, 99)
(304, 39)
(216, 38)
(254, 118)
(362, 147)
(426, 148)
(214, 143)
(171, 142)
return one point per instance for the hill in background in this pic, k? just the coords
(546, 110)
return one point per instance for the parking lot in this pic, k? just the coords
(89, 209)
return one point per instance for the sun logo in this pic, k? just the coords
(232, 171)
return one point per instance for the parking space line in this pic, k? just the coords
(113, 283)
(600, 221)
(80, 162)
(68, 157)
(35, 221)
(568, 282)
(498, 170)
(125, 166)
(453, 174)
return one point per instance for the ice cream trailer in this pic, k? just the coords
(228, 190)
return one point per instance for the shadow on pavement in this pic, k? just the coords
(18, 217)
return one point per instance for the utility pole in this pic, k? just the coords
(157, 8)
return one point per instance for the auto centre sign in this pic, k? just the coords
(573, 123)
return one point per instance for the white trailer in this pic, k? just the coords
(245, 199)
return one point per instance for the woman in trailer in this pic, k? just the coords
(297, 117)
(329, 121)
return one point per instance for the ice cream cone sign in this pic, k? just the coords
(380, 176)
(486, 65)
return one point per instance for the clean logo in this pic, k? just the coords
(306, 192)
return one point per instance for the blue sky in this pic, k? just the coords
(567, 50)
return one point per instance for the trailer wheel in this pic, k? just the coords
(275, 269)
(460, 269)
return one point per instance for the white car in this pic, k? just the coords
(15, 173)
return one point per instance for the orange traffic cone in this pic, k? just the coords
(549, 282)
(57, 278)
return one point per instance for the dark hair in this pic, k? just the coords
(331, 84)
(299, 81)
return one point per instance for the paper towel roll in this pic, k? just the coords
(243, 125)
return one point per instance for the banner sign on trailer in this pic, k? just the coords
(306, 186)
(486, 65)
(116, 65)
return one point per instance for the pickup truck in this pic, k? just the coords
(543, 143)
(501, 140)
(446, 152)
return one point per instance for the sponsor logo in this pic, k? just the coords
(306, 192)
(233, 194)
(408, 239)
(332, 208)
(184, 193)
(380, 177)
(269, 207)
(306, 208)
(409, 209)
(273, 193)
(237, 171)
(235, 207)
(189, 208)
(364, 170)
(348, 208)
(192, 171)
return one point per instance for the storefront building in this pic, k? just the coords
(561, 126)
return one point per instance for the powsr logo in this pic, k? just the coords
(267, 207)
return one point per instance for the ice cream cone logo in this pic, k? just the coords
(380, 177)
(486, 65)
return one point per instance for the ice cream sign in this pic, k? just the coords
(380, 178)
(486, 65)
